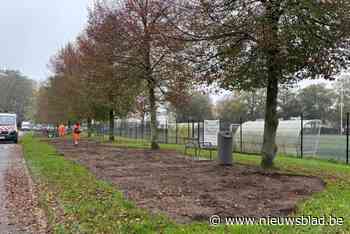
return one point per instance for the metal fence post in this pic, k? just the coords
(176, 141)
(241, 134)
(203, 130)
(136, 128)
(198, 131)
(120, 128)
(166, 132)
(347, 137)
(125, 130)
(132, 130)
(142, 129)
(301, 135)
(129, 130)
(188, 128)
(192, 129)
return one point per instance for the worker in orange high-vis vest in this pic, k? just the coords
(76, 133)
(61, 130)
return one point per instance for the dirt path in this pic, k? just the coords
(186, 190)
(19, 212)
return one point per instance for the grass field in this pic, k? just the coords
(76, 202)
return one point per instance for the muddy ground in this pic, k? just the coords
(187, 190)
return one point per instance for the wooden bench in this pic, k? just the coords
(198, 146)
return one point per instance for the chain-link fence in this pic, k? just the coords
(298, 137)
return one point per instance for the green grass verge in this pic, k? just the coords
(88, 205)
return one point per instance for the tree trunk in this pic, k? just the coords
(89, 125)
(111, 125)
(153, 112)
(269, 148)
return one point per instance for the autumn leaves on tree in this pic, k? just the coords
(160, 48)
(122, 53)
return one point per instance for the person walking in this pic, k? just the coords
(76, 133)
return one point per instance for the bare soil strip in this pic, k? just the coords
(187, 190)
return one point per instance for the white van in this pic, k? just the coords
(8, 127)
(26, 126)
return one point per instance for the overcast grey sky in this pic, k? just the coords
(32, 31)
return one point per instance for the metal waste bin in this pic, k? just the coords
(225, 142)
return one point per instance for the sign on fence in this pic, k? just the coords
(211, 130)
